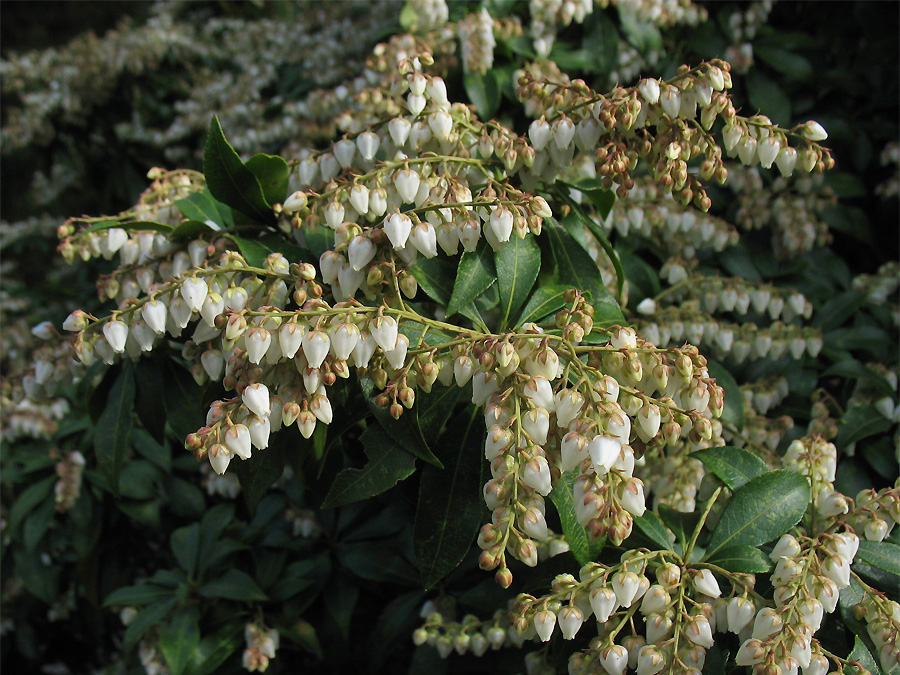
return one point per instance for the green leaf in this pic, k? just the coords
(433, 276)
(433, 409)
(763, 509)
(304, 634)
(31, 496)
(545, 300)
(397, 621)
(272, 172)
(743, 559)
(145, 619)
(574, 266)
(388, 464)
(793, 66)
(112, 435)
(233, 585)
(837, 309)
(37, 524)
(475, 274)
(733, 466)
(484, 92)
(185, 543)
(215, 649)
(603, 201)
(881, 554)
(654, 528)
(256, 250)
(855, 370)
(139, 479)
(201, 207)
(406, 431)
(733, 412)
(258, 474)
(862, 654)
(149, 398)
(230, 181)
(180, 638)
(184, 400)
(139, 594)
(190, 229)
(767, 97)
(129, 226)
(449, 509)
(861, 421)
(582, 546)
(518, 264)
(682, 524)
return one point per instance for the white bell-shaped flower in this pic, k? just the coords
(257, 341)
(116, 333)
(256, 399)
(367, 143)
(544, 623)
(315, 347)
(384, 330)
(424, 238)
(219, 458)
(237, 440)
(194, 292)
(399, 128)
(154, 315)
(290, 338)
(364, 349)
(344, 337)
(397, 227)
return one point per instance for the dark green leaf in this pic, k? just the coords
(180, 638)
(857, 338)
(654, 528)
(139, 480)
(575, 266)
(255, 251)
(767, 97)
(158, 453)
(233, 585)
(184, 401)
(388, 464)
(140, 594)
(484, 92)
(190, 229)
(398, 619)
(449, 510)
(29, 499)
(743, 559)
(855, 370)
(146, 619)
(272, 172)
(112, 435)
(376, 561)
(434, 277)
(862, 654)
(682, 524)
(861, 421)
(544, 301)
(37, 524)
(763, 509)
(793, 66)
(202, 208)
(836, 310)
(129, 226)
(230, 181)
(733, 412)
(881, 554)
(603, 201)
(215, 649)
(257, 474)
(475, 274)
(150, 396)
(433, 409)
(406, 431)
(582, 546)
(733, 466)
(518, 264)
(304, 634)
(185, 545)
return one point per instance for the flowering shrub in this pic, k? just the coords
(515, 368)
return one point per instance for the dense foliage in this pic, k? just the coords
(555, 336)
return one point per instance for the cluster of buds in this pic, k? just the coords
(663, 13)
(808, 577)
(882, 617)
(469, 636)
(67, 489)
(890, 156)
(875, 512)
(740, 341)
(816, 458)
(303, 522)
(654, 215)
(427, 14)
(790, 208)
(547, 16)
(261, 647)
(760, 432)
(765, 394)
(222, 485)
(880, 287)
(476, 41)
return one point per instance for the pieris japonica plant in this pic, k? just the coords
(493, 372)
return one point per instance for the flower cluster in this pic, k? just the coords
(261, 647)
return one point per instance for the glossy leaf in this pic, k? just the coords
(861, 421)
(230, 181)
(855, 370)
(201, 207)
(304, 634)
(434, 276)
(215, 649)
(28, 500)
(388, 464)
(179, 639)
(545, 300)
(865, 658)
(146, 619)
(580, 544)
(449, 509)
(743, 558)
(475, 274)
(733, 413)
(139, 594)
(185, 411)
(484, 92)
(150, 398)
(112, 435)
(575, 266)
(518, 264)
(272, 172)
(259, 473)
(733, 466)
(233, 585)
(763, 509)
(256, 250)
(185, 544)
(653, 527)
(682, 524)
(881, 554)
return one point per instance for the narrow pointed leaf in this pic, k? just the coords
(230, 181)
(763, 509)
(145, 619)
(733, 412)
(179, 639)
(881, 554)
(272, 173)
(112, 435)
(449, 509)
(654, 528)
(733, 466)
(543, 302)
(202, 207)
(388, 464)
(233, 585)
(434, 277)
(743, 559)
(258, 474)
(474, 276)
(518, 264)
